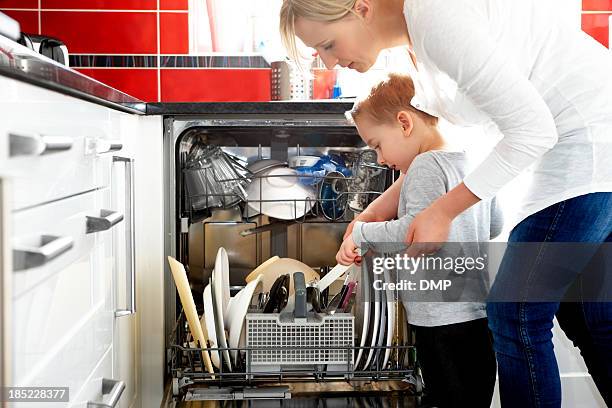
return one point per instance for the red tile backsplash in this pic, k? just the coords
(215, 85)
(596, 25)
(597, 5)
(140, 83)
(174, 33)
(103, 32)
(100, 4)
(21, 4)
(28, 20)
(174, 4)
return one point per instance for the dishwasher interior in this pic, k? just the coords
(300, 355)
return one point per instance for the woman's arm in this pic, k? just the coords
(384, 208)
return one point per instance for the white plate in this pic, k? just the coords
(221, 282)
(390, 320)
(219, 326)
(209, 320)
(374, 334)
(242, 300)
(291, 200)
(380, 341)
(189, 307)
(363, 308)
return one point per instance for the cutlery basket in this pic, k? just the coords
(280, 342)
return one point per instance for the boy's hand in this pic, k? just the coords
(347, 254)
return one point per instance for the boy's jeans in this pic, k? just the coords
(522, 331)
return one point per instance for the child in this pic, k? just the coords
(453, 342)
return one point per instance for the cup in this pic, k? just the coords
(333, 195)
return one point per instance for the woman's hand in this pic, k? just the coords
(430, 228)
(427, 232)
(347, 254)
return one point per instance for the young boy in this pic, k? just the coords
(453, 342)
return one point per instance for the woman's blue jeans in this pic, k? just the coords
(522, 328)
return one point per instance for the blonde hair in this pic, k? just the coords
(317, 10)
(387, 98)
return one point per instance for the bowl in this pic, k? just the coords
(277, 193)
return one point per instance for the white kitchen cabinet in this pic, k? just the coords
(5, 286)
(53, 145)
(65, 326)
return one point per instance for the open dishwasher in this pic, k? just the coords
(281, 354)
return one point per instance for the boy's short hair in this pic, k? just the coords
(387, 98)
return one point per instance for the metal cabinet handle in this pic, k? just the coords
(112, 388)
(37, 145)
(108, 146)
(105, 221)
(131, 238)
(51, 247)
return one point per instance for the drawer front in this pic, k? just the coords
(54, 146)
(63, 310)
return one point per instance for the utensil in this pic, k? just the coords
(279, 294)
(363, 309)
(335, 302)
(209, 320)
(368, 181)
(331, 276)
(219, 326)
(259, 270)
(350, 303)
(391, 316)
(214, 178)
(276, 193)
(314, 298)
(264, 164)
(375, 325)
(350, 288)
(221, 282)
(300, 295)
(242, 300)
(281, 266)
(333, 195)
(303, 161)
(191, 313)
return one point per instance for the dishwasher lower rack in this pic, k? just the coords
(274, 356)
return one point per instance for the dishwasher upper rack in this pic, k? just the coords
(186, 366)
(308, 209)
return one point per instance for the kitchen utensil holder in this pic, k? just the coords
(282, 341)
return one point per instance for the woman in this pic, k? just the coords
(546, 87)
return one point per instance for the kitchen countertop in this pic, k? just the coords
(276, 107)
(23, 64)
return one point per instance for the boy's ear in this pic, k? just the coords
(363, 8)
(404, 119)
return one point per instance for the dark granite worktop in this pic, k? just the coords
(281, 107)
